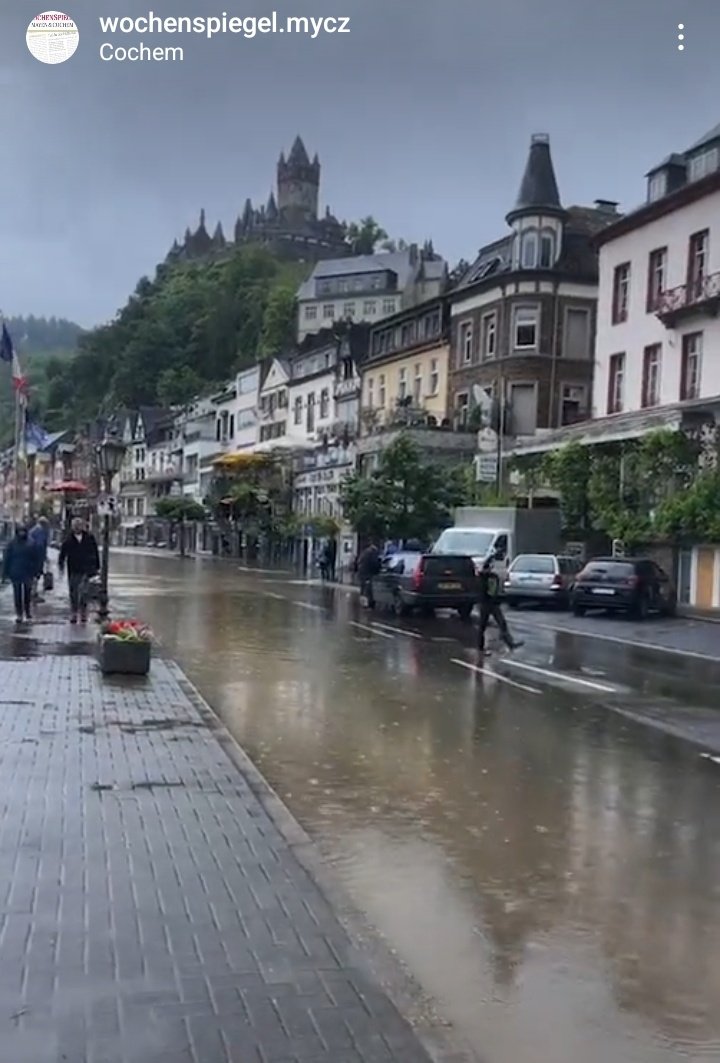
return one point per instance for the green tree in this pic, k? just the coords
(364, 236)
(279, 321)
(175, 387)
(180, 509)
(567, 470)
(405, 498)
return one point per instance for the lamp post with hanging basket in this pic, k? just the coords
(110, 454)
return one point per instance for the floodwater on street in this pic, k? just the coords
(547, 868)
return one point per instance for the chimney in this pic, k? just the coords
(606, 206)
(413, 254)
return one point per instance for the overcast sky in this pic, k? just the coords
(421, 115)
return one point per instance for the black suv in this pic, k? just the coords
(624, 585)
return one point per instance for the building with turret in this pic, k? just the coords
(289, 224)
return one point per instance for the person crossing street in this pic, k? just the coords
(491, 608)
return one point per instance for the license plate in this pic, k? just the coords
(602, 590)
(449, 586)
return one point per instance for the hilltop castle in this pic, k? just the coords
(288, 225)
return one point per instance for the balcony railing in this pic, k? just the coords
(702, 296)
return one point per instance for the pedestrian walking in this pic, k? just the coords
(368, 566)
(40, 536)
(80, 556)
(491, 608)
(21, 565)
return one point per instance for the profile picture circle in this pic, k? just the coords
(52, 37)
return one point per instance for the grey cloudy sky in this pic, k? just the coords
(421, 116)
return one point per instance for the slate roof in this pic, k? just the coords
(398, 262)
(709, 138)
(538, 189)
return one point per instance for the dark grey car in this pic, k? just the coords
(425, 582)
(541, 578)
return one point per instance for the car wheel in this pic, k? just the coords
(578, 610)
(465, 613)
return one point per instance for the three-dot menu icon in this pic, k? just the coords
(681, 36)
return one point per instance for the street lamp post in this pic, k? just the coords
(110, 455)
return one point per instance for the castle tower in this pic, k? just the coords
(298, 184)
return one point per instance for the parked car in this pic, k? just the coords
(624, 585)
(415, 581)
(541, 578)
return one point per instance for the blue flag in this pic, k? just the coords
(37, 437)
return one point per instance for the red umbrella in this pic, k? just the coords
(68, 487)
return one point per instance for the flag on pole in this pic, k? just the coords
(36, 436)
(9, 354)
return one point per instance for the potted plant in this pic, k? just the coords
(124, 648)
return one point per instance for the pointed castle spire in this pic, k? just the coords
(219, 236)
(538, 189)
(271, 211)
(298, 155)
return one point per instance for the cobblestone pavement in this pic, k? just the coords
(151, 911)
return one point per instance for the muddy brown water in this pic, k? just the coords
(549, 871)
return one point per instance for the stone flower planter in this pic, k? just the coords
(123, 656)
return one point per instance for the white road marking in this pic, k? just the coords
(709, 756)
(277, 597)
(372, 630)
(494, 675)
(398, 630)
(601, 687)
(528, 625)
(308, 605)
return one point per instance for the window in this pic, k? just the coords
(573, 406)
(651, 376)
(381, 390)
(329, 310)
(369, 306)
(402, 383)
(310, 313)
(466, 342)
(431, 325)
(489, 335)
(371, 393)
(434, 377)
(388, 306)
(697, 264)
(528, 250)
(577, 333)
(310, 422)
(324, 404)
(525, 327)
(523, 409)
(349, 310)
(298, 410)
(547, 249)
(616, 383)
(462, 407)
(657, 186)
(691, 365)
(407, 335)
(657, 265)
(621, 293)
(704, 163)
(417, 386)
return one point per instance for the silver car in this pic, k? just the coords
(541, 578)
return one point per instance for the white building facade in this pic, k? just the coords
(658, 333)
(367, 288)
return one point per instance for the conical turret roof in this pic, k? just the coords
(298, 154)
(538, 189)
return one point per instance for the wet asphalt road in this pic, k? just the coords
(546, 865)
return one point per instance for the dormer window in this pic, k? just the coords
(657, 186)
(529, 250)
(704, 163)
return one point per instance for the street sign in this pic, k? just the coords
(486, 468)
(107, 506)
(618, 548)
(487, 441)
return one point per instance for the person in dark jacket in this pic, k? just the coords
(368, 566)
(79, 554)
(22, 563)
(40, 535)
(490, 607)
